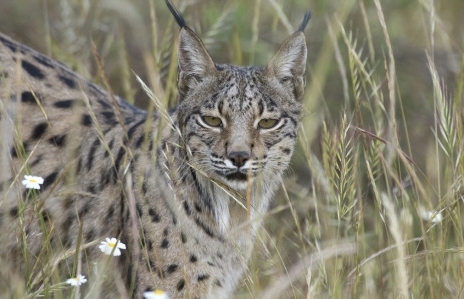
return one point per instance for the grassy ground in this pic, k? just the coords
(371, 207)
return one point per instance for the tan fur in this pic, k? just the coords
(186, 201)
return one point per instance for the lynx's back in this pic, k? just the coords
(184, 191)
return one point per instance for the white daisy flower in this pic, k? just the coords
(32, 182)
(77, 281)
(112, 246)
(156, 294)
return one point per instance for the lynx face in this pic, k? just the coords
(246, 129)
(240, 123)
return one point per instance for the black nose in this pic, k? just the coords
(238, 158)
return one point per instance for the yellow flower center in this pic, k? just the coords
(112, 244)
(158, 292)
(33, 180)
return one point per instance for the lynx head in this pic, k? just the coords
(239, 123)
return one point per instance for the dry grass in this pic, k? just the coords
(382, 136)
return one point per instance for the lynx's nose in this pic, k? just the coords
(238, 158)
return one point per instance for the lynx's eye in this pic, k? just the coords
(267, 123)
(212, 121)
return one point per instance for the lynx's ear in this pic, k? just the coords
(289, 64)
(194, 61)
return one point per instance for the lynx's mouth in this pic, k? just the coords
(237, 176)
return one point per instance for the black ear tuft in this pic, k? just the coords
(304, 23)
(177, 15)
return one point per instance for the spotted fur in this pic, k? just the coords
(186, 195)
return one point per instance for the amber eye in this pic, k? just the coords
(212, 121)
(267, 123)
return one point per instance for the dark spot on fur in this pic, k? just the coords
(104, 103)
(64, 104)
(165, 243)
(14, 212)
(92, 188)
(152, 264)
(49, 180)
(32, 69)
(193, 258)
(39, 130)
(28, 97)
(183, 238)
(139, 209)
(150, 145)
(197, 207)
(140, 140)
(205, 228)
(58, 140)
(154, 215)
(172, 268)
(180, 285)
(286, 150)
(108, 115)
(71, 83)
(15, 152)
(202, 277)
(121, 152)
(165, 232)
(187, 208)
(291, 135)
(110, 146)
(86, 120)
(218, 283)
(132, 129)
(144, 187)
(79, 165)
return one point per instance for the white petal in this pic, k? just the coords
(116, 252)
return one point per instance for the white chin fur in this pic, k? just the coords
(237, 185)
